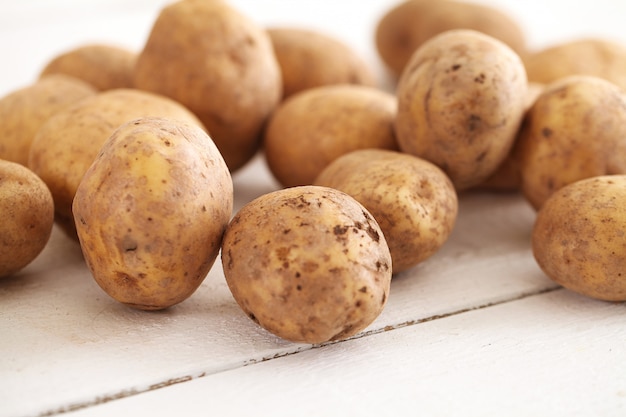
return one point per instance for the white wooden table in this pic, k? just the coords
(477, 330)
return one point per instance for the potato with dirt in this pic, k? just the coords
(461, 101)
(578, 237)
(25, 110)
(311, 129)
(309, 264)
(27, 217)
(310, 58)
(575, 129)
(220, 64)
(413, 200)
(67, 144)
(151, 211)
(104, 66)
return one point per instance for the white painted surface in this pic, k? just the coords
(476, 330)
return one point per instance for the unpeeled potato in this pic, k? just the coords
(151, 211)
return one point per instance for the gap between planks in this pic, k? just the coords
(178, 380)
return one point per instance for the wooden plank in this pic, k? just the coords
(555, 354)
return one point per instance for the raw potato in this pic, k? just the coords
(25, 110)
(151, 211)
(312, 128)
(27, 217)
(589, 56)
(578, 237)
(576, 129)
(67, 144)
(105, 67)
(413, 201)
(406, 26)
(220, 65)
(507, 177)
(309, 264)
(460, 104)
(309, 58)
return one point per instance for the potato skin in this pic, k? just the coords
(309, 58)
(413, 201)
(460, 104)
(218, 63)
(587, 56)
(27, 217)
(578, 237)
(151, 211)
(25, 110)
(406, 26)
(576, 129)
(309, 264)
(105, 67)
(67, 144)
(312, 128)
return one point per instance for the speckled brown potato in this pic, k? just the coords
(219, 64)
(151, 211)
(413, 201)
(588, 56)
(308, 263)
(460, 104)
(578, 237)
(310, 58)
(314, 127)
(103, 66)
(67, 144)
(507, 177)
(576, 129)
(24, 111)
(407, 25)
(27, 217)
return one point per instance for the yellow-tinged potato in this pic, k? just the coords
(151, 211)
(27, 217)
(67, 144)
(601, 58)
(105, 67)
(407, 25)
(461, 100)
(309, 264)
(218, 63)
(413, 201)
(579, 237)
(576, 129)
(309, 58)
(310, 129)
(24, 111)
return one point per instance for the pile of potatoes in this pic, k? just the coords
(132, 154)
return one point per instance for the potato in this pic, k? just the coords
(460, 104)
(507, 177)
(576, 129)
(105, 67)
(309, 264)
(587, 56)
(151, 211)
(67, 144)
(309, 58)
(219, 64)
(25, 110)
(27, 217)
(406, 26)
(578, 237)
(312, 128)
(413, 201)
